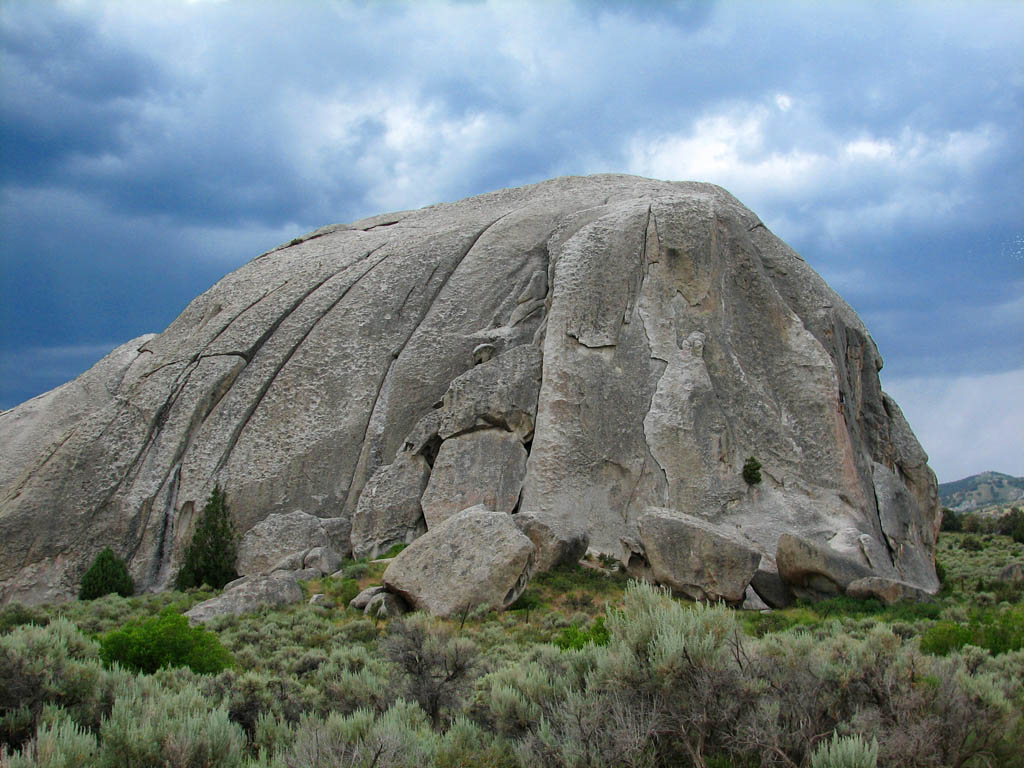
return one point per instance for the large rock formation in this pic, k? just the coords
(635, 340)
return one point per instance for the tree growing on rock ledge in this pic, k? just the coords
(211, 555)
(752, 471)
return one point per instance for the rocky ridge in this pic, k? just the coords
(598, 352)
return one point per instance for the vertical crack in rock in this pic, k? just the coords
(881, 527)
(650, 233)
(237, 433)
(352, 493)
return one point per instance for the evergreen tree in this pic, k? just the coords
(211, 555)
(108, 573)
(752, 471)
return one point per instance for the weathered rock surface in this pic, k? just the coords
(485, 467)
(813, 568)
(267, 545)
(273, 590)
(323, 559)
(887, 591)
(389, 510)
(699, 559)
(475, 558)
(556, 543)
(637, 339)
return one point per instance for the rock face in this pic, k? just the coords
(474, 558)
(584, 348)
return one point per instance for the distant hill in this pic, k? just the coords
(984, 491)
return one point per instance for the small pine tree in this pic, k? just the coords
(108, 573)
(752, 471)
(211, 555)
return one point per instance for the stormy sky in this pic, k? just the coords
(148, 148)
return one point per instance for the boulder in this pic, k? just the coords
(389, 509)
(484, 467)
(556, 543)
(323, 559)
(292, 562)
(256, 593)
(303, 574)
(769, 586)
(277, 537)
(500, 392)
(697, 558)
(814, 569)
(385, 605)
(475, 558)
(638, 339)
(887, 591)
(361, 600)
(753, 602)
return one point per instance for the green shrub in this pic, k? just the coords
(972, 544)
(752, 471)
(166, 640)
(340, 591)
(107, 574)
(573, 637)
(997, 631)
(210, 556)
(58, 744)
(1006, 524)
(55, 665)
(394, 550)
(950, 522)
(845, 752)
(17, 615)
(1017, 534)
(152, 726)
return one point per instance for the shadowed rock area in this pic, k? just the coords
(586, 349)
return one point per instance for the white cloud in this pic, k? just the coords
(967, 424)
(777, 158)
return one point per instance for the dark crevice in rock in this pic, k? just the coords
(430, 449)
(163, 542)
(881, 528)
(237, 433)
(250, 353)
(353, 493)
(241, 312)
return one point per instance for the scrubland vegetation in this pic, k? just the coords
(588, 669)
